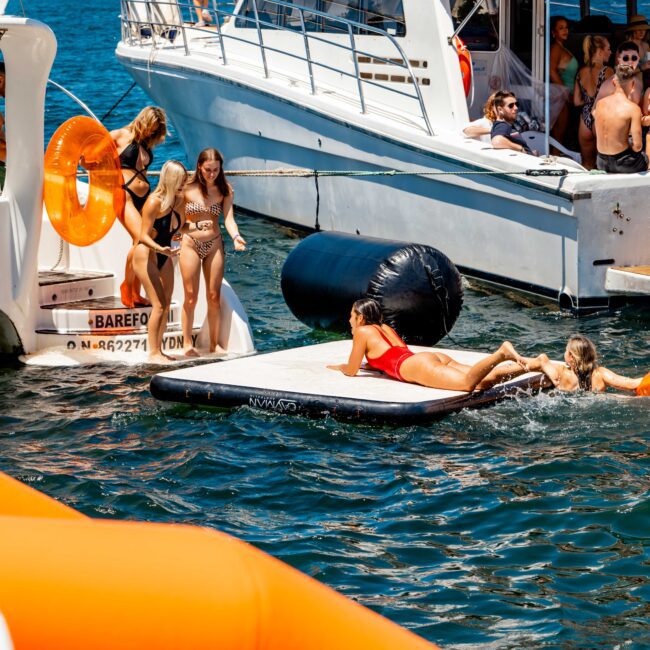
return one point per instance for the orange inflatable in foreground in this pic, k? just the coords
(82, 225)
(465, 60)
(643, 389)
(71, 582)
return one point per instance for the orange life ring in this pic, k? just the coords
(465, 60)
(643, 389)
(82, 225)
(69, 581)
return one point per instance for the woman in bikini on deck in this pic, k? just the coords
(134, 143)
(207, 196)
(385, 351)
(163, 216)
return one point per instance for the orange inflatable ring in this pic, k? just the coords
(643, 389)
(72, 582)
(465, 60)
(82, 225)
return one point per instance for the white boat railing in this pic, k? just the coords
(154, 21)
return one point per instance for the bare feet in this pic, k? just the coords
(217, 350)
(190, 352)
(160, 358)
(510, 354)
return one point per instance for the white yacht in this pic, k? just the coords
(59, 303)
(375, 86)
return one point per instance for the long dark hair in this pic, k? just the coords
(370, 310)
(586, 359)
(211, 154)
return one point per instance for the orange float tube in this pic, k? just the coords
(643, 389)
(465, 60)
(82, 138)
(82, 583)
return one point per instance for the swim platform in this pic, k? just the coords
(296, 381)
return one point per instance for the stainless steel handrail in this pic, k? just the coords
(133, 25)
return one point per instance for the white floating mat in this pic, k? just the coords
(297, 381)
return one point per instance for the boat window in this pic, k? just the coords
(482, 31)
(382, 14)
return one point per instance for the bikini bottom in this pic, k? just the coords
(204, 248)
(138, 201)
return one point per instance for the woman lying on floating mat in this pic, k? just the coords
(385, 351)
(581, 370)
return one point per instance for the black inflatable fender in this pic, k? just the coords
(417, 286)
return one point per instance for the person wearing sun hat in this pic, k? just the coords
(637, 31)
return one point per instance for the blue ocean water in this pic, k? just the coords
(523, 524)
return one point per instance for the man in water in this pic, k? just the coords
(504, 135)
(618, 127)
(627, 53)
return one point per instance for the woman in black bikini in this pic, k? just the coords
(588, 82)
(134, 143)
(163, 215)
(207, 196)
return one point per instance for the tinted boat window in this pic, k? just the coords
(482, 31)
(382, 14)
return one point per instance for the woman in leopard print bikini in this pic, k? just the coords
(207, 196)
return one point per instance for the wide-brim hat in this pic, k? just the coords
(637, 22)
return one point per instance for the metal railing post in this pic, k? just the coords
(307, 52)
(217, 13)
(356, 69)
(260, 39)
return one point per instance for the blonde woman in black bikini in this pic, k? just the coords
(134, 143)
(207, 196)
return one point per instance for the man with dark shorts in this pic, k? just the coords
(618, 127)
(504, 135)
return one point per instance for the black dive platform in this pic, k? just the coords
(297, 381)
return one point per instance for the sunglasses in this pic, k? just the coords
(629, 57)
(512, 105)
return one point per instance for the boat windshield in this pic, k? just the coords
(482, 32)
(382, 14)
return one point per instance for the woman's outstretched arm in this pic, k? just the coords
(613, 380)
(359, 343)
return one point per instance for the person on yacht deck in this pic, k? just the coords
(203, 16)
(627, 53)
(618, 127)
(590, 78)
(207, 196)
(562, 71)
(503, 134)
(481, 129)
(385, 351)
(637, 32)
(163, 215)
(134, 144)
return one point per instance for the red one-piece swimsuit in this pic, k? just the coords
(390, 361)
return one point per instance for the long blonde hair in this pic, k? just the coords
(591, 44)
(585, 356)
(149, 126)
(173, 176)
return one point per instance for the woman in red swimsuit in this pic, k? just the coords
(385, 351)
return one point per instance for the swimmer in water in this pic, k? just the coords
(385, 351)
(580, 370)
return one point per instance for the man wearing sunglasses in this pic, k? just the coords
(617, 120)
(627, 53)
(504, 135)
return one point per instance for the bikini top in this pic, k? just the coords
(163, 227)
(129, 157)
(194, 209)
(391, 360)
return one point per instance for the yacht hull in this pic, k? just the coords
(505, 229)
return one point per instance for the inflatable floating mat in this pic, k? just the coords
(296, 381)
